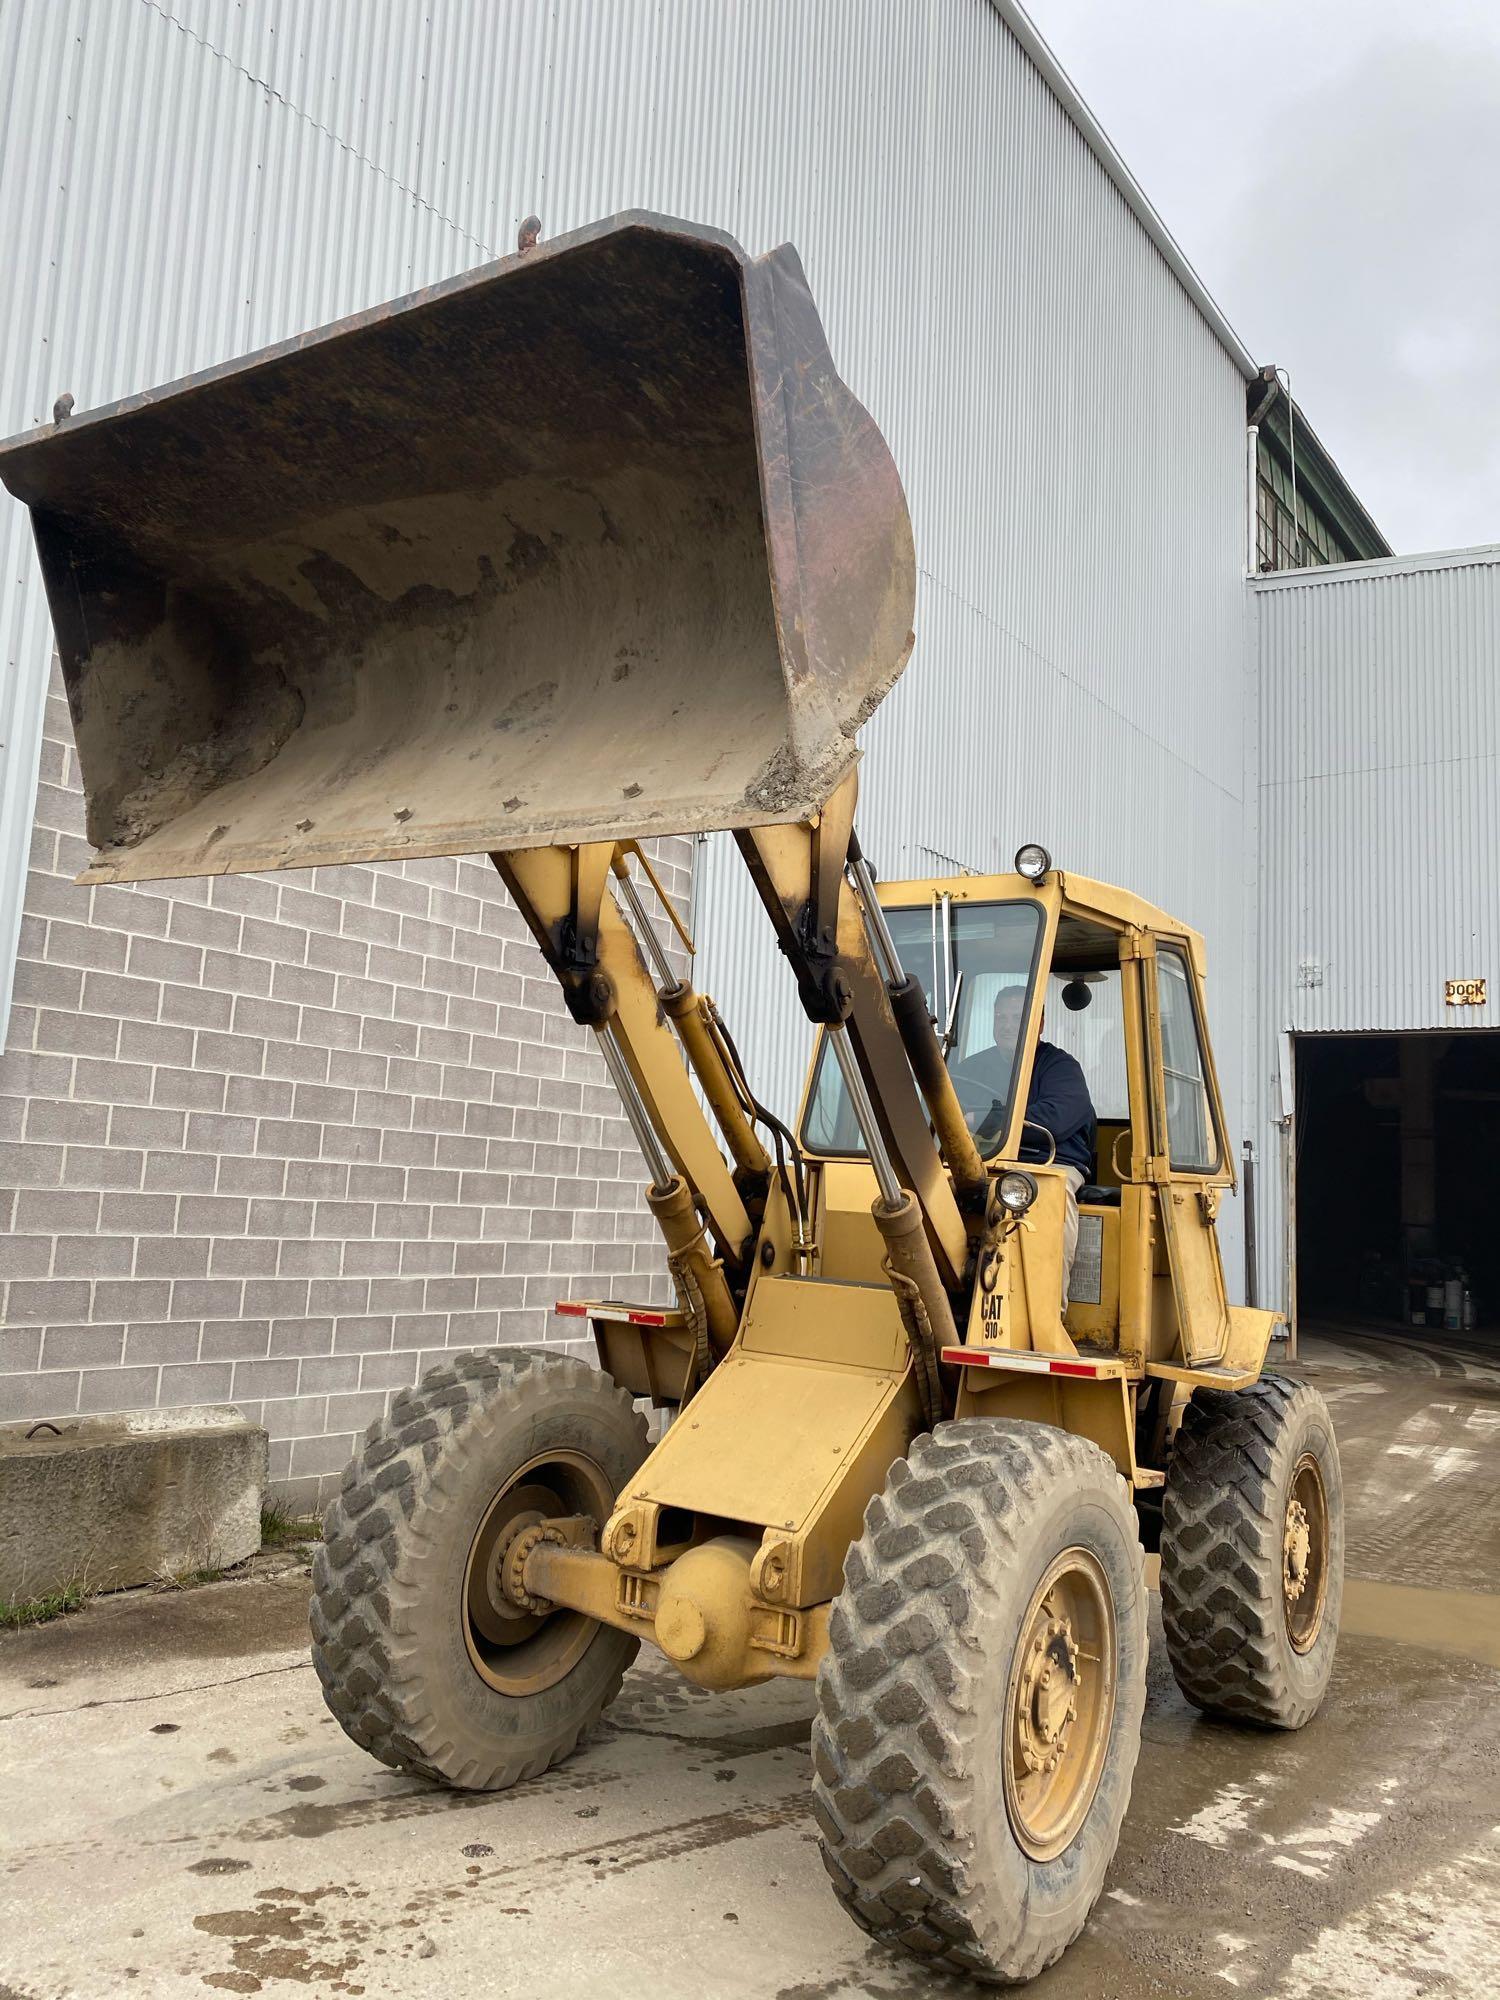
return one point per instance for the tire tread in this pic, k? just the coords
(1221, 1553)
(901, 1682)
(367, 1600)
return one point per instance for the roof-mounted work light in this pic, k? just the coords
(1033, 861)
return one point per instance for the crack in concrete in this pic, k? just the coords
(164, 1694)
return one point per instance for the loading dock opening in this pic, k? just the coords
(1397, 1178)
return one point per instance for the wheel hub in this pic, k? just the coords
(520, 1538)
(1049, 1689)
(517, 1642)
(1061, 1704)
(1296, 1546)
(1304, 1554)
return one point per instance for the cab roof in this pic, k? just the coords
(1075, 894)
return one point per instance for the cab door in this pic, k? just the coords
(1189, 1157)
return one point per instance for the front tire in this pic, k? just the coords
(979, 1706)
(1252, 1552)
(423, 1660)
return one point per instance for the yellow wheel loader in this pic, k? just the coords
(586, 547)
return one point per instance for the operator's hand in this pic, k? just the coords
(973, 1095)
(976, 1098)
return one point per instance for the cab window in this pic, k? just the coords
(1192, 1143)
(1086, 1016)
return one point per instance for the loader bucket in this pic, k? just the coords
(591, 542)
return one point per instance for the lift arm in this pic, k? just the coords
(799, 872)
(561, 893)
(697, 1028)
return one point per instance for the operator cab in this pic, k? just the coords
(1006, 961)
(979, 965)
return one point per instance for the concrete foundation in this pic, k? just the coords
(103, 1502)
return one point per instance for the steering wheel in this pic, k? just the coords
(977, 1099)
(975, 1093)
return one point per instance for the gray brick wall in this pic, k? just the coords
(280, 1140)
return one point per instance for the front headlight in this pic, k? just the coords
(1033, 861)
(1017, 1191)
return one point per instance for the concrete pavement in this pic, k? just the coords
(182, 1817)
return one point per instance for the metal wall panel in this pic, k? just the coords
(1379, 811)
(1069, 424)
(1071, 434)
(166, 202)
(36, 159)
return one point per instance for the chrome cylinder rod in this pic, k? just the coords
(926, 1050)
(864, 1114)
(662, 1170)
(879, 931)
(646, 931)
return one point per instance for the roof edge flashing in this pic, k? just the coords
(1483, 555)
(1099, 143)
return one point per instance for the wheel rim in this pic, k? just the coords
(1060, 1704)
(1304, 1555)
(517, 1651)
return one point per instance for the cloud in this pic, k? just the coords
(1332, 170)
(1367, 262)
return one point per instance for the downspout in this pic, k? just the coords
(1291, 440)
(1252, 480)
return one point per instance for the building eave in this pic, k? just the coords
(1101, 146)
(1334, 491)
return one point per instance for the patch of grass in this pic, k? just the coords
(280, 1528)
(39, 1610)
(184, 1579)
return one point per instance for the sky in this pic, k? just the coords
(1332, 172)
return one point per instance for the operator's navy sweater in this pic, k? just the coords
(1060, 1100)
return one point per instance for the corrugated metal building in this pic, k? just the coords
(185, 180)
(190, 179)
(1378, 837)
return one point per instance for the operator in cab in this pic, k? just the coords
(1058, 1101)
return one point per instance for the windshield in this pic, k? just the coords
(990, 966)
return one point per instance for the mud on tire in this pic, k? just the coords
(1232, 1635)
(913, 1697)
(388, 1610)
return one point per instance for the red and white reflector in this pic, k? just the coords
(612, 1309)
(1028, 1363)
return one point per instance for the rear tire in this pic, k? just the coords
(1001, 1557)
(1252, 1552)
(418, 1663)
